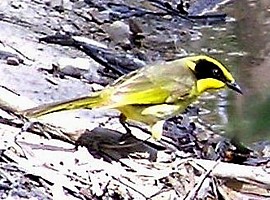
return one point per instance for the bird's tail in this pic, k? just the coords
(87, 102)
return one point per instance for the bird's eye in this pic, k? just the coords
(216, 72)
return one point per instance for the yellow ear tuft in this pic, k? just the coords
(190, 64)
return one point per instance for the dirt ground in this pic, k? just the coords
(56, 50)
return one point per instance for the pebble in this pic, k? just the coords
(13, 61)
(119, 32)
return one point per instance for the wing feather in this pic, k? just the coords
(154, 85)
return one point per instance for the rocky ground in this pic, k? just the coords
(55, 50)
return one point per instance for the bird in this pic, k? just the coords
(153, 93)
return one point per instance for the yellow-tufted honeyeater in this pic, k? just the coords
(153, 93)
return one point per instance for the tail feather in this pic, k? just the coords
(94, 101)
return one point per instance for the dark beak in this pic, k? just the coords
(234, 86)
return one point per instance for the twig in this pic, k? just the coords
(255, 175)
(193, 193)
(129, 186)
(16, 50)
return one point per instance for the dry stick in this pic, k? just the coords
(250, 174)
(130, 186)
(193, 193)
(16, 50)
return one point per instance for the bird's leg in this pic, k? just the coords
(122, 120)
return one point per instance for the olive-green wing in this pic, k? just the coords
(163, 83)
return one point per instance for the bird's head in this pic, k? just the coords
(211, 74)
